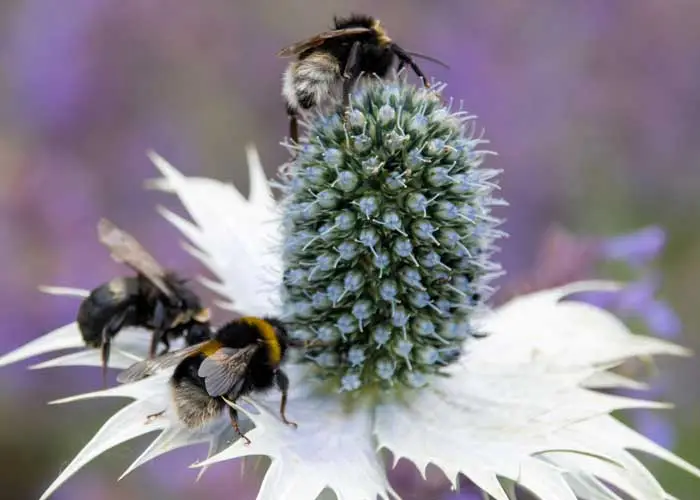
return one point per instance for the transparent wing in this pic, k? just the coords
(149, 367)
(125, 249)
(224, 370)
(317, 40)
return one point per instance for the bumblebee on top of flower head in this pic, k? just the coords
(153, 299)
(244, 356)
(357, 46)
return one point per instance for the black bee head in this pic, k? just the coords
(197, 332)
(354, 20)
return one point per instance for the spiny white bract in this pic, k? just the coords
(388, 236)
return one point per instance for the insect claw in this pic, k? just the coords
(151, 418)
(290, 423)
(233, 415)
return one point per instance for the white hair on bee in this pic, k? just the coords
(311, 80)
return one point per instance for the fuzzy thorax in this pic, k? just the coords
(381, 33)
(388, 236)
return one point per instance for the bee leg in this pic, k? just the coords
(294, 128)
(283, 383)
(350, 75)
(108, 332)
(158, 331)
(405, 58)
(233, 414)
(104, 354)
(155, 338)
(151, 418)
(166, 343)
(292, 113)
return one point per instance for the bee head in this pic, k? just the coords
(364, 21)
(198, 332)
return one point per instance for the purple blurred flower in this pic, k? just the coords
(655, 426)
(51, 64)
(638, 249)
(561, 258)
(564, 257)
(638, 300)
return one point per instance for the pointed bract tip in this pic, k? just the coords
(590, 286)
(63, 291)
(165, 168)
(251, 153)
(157, 185)
(153, 156)
(104, 227)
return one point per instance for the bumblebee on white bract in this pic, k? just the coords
(518, 404)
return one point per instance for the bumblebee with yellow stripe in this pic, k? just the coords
(244, 356)
(333, 61)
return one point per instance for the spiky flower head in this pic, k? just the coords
(388, 236)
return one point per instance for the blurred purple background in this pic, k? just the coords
(592, 105)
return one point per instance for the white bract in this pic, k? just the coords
(382, 251)
(519, 404)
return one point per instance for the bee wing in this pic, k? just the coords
(148, 367)
(317, 40)
(224, 370)
(125, 249)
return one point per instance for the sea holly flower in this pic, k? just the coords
(379, 255)
(387, 274)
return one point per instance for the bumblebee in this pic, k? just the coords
(244, 356)
(153, 299)
(358, 46)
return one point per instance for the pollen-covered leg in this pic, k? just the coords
(233, 414)
(282, 382)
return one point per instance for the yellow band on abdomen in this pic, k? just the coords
(267, 331)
